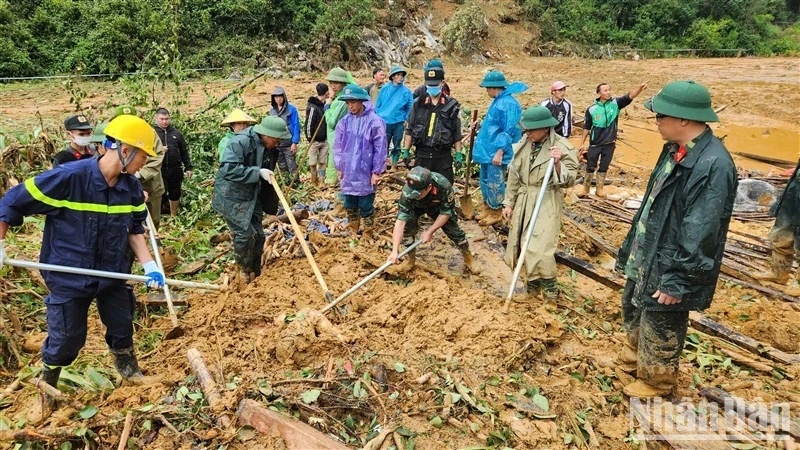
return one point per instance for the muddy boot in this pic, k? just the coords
(174, 205)
(550, 289)
(339, 210)
(314, 176)
(534, 288)
(587, 185)
(627, 358)
(600, 185)
(779, 270)
(127, 366)
(408, 262)
(641, 389)
(494, 216)
(483, 212)
(369, 226)
(469, 259)
(321, 178)
(353, 221)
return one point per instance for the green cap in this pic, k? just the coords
(397, 69)
(537, 117)
(353, 92)
(124, 110)
(684, 100)
(99, 135)
(417, 180)
(273, 127)
(434, 64)
(338, 74)
(494, 79)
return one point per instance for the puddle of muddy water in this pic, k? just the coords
(641, 144)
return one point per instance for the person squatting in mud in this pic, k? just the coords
(673, 252)
(359, 154)
(526, 174)
(236, 190)
(428, 193)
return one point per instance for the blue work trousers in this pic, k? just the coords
(394, 135)
(66, 321)
(493, 184)
(364, 203)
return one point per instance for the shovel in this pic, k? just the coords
(369, 277)
(176, 330)
(466, 198)
(299, 235)
(531, 224)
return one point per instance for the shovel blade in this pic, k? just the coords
(466, 206)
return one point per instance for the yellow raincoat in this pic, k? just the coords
(523, 184)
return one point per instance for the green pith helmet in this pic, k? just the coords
(273, 127)
(537, 117)
(338, 75)
(353, 92)
(99, 135)
(417, 180)
(684, 100)
(494, 79)
(395, 70)
(124, 109)
(434, 63)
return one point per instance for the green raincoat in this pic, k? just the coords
(238, 178)
(523, 184)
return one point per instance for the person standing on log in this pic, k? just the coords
(784, 237)
(236, 190)
(673, 252)
(600, 126)
(526, 174)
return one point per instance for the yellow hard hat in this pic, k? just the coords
(237, 115)
(133, 131)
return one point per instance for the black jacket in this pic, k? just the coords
(434, 136)
(315, 114)
(177, 151)
(688, 224)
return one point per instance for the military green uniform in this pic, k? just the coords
(784, 238)
(440, 200)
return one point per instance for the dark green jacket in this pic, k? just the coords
(687, 228)
(788, 205)
(237, 185)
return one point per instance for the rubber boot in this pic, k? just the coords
(127, 366)
(778, 272)
(587, 185)
(550, 289)
(321, 177)
(483, 212)
(173, 207)
(627, 358)
(314, 176)
(408, 262)
(492, 217)
(353, 220)
(600, 185)
(641, 389)
(395, 158)
(369, 226)
(534, 288)
(469, 259)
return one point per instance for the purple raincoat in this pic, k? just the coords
(359, 150)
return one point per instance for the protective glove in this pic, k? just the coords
(155, 276)
(266, 174)
(2, 251)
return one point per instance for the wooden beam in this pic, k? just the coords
(297, 435)
(762, 289)
(586, 269)
(709, 326)
(596, 239)
(754, 416)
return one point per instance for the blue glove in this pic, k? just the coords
(155, 276)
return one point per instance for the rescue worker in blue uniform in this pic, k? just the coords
(95, 209)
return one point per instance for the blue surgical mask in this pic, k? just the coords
(433, 91)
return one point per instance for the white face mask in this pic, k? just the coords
(82, 141)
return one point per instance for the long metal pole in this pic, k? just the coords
(531, 224)
(104, 274)
(366, 280)
(157, 255)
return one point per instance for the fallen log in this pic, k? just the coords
(596, 239)
(586, 269)
(751, 363)
(709, 326)
(207, 383)
(766, 159)
(758, 418)
(762, 289)
(296, 435)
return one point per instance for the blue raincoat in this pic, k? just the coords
(359, 150)
(394, 103)
(499, 128)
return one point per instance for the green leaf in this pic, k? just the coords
(540, 401)
(493, 381)
(403, 431)
(394, 395)
(99, 380)
(195, 396)
(455, 397)
(66, 446)
(311, 396)
(436, 421)
(399, 367)
(88, 412)
(146, 407)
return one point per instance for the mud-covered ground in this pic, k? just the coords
(442, 360)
